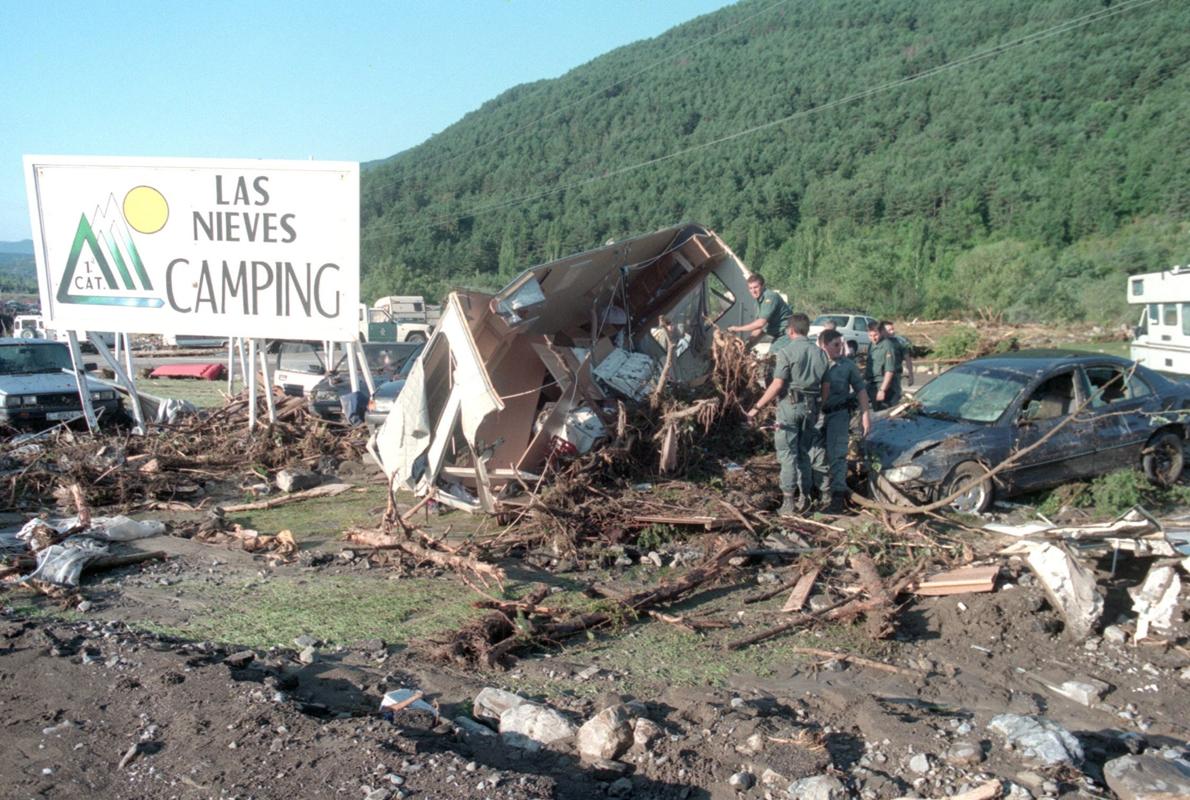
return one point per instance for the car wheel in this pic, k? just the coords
(978, 497)
(415, 337)
(1163, 459)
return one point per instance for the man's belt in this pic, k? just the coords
(796, 396)
(851, 404)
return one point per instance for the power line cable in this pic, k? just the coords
(982, 55)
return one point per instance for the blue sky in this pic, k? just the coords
(349, 81)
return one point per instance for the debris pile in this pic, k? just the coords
(167, 469)
(565, 361)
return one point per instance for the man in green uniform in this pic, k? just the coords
(904, 345)
(829, 454)
(882, 369)
(772, 318)
(799, 379)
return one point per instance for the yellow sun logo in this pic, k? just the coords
(145, 209)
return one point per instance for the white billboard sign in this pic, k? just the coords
(257, 249)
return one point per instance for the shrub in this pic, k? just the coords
(958, 343)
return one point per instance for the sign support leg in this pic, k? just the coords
(231, 363)
(358, 354)
(352, 367)
(251, 378)
(268, 384)
(124, 379)
(80, 379)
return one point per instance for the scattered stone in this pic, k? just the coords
(1114, 634)
(1030, 780)
(742, 781)
(308, 656)
(963, 754)
(304, 641)
(241, 659)
(645, 732)
(379, 794)
(607, 734)
(297, 480)
(1038, 739)
(588, 673)
(920, 764)
(531, 726)
(1087, 691)
(491, 703)
(819, 787)
(84, 606)
(468, 725)
(1148, 777)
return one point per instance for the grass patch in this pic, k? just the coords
(338, 609)
(312, 518)
(204, 394)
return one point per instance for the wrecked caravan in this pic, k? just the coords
(534, 372)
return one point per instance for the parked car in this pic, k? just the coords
(980, 413)
(38, 387)
(382, 402)
(387, 362)
(854, 328)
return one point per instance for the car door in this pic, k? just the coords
(1063, 456)
(1121, 412)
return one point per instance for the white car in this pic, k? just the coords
(854, 328)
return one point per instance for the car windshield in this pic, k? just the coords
(839, 320)
(301, 357)
(24, 359)
(970, 392)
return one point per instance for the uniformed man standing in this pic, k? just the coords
(772, 318)
(799, 379)
(847, 393)
(904, 345)
(882, 369)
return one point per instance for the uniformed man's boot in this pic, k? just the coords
(838, 504)
(788, 507)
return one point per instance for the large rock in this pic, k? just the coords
(297, 480)
(1038, 739)
(819, 787)
(1148, 777)
(491, 703)
(607, 734)
(530, 726)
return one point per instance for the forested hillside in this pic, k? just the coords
(1028, 183)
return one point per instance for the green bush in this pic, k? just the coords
(1114, 493)
(958, 343)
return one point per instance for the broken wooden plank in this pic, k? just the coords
(707, 522)
(801, 591)
(959, 581)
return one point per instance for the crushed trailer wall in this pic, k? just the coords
(509, 381)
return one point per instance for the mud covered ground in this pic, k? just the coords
(218, 673)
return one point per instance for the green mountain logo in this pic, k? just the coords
(104, 267)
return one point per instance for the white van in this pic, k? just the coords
(31, 326)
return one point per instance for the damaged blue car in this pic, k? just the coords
(1110, 414)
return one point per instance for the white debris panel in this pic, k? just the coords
(509, 382)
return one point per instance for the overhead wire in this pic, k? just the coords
(982, 55)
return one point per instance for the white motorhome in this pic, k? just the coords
(1161, 340)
